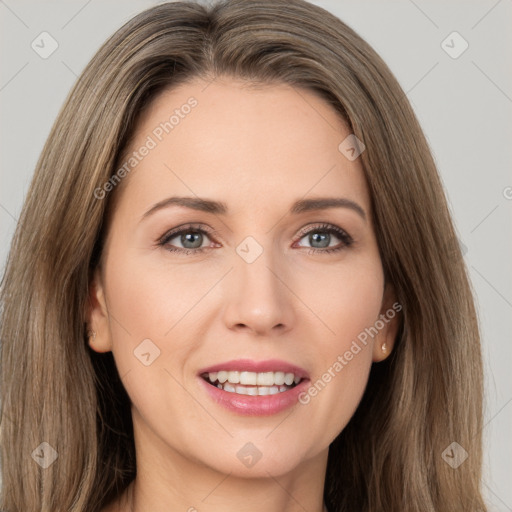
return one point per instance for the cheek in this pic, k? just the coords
(146, 309)
(149, 297)
(349, 305)
(345, 298)
(149, 307)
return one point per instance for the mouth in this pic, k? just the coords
(253, 383)
(255, 388)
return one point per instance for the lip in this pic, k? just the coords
(249, 405)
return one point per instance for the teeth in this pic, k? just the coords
(253, 390)
(279, 378)
(234, 377)
(248, 378)
(266, 379)
(229, 387)
(252, 383)
(263, 390)
(241, 390)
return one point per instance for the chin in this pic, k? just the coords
(240, 457)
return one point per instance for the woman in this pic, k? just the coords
(236, 284)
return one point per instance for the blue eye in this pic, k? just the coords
(193, 238)
(320, 238)
(190, 239)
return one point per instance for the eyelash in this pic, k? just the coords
(346, 239)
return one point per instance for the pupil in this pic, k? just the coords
(192, 238)
(323, 239)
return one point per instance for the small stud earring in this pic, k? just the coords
(384, 348)
(91, 334)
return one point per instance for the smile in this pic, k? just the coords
(253, 383)
(254, 388)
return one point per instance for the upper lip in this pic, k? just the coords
(248, 365)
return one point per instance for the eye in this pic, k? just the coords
(321, 238)
(186, 239)
(194, 239)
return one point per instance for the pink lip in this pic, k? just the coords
(256, 405)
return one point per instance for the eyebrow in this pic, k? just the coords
(220, 208)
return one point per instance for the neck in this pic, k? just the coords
(181, 484)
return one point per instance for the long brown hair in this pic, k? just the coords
(54, 389)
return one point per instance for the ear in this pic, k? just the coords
(387, 325)
(97, 315)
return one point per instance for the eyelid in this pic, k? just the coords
(342, 234)
(188, 226)
(323, 226)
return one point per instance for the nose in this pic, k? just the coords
(258, 299)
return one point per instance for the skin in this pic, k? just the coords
(257, 150)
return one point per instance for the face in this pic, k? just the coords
(241, 248)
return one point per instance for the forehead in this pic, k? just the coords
(230, 140)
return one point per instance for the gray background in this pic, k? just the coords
(464, 105)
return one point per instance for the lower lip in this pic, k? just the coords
(249, 405)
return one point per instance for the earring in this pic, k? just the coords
(384, 348)
(91, 334)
